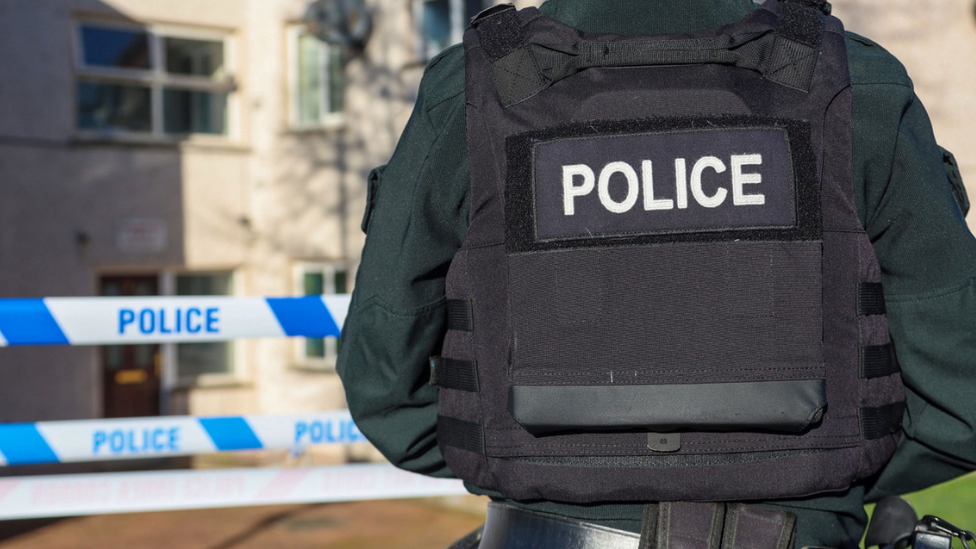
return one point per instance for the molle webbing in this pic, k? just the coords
(870, 299)
(878, 361)
(451, 373)
(461, 434)
(881, 421)
(459, 315)
(787, 56)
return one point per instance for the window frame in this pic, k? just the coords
(327, 120)
(237, 374)
(157, 80)
(328, 269)
(458, 24)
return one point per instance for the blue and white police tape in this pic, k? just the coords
(103, 493)
(124, 320)
(101, 439)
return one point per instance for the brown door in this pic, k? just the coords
(130, 372)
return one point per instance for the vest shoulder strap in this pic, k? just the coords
(786, 55)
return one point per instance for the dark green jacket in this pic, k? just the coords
(417, 219)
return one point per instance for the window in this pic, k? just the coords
(143, 81)
(441, 23)
(213, 357)
(321, 279)
(317, 80)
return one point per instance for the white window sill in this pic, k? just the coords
(140, 139)
(214, 381)
(315, 366)
(327, 126)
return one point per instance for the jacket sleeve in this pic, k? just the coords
(928, 261)
(416, 221)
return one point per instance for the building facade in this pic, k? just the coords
(182, 147)
(185, 147)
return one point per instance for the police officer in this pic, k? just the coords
(903, 192)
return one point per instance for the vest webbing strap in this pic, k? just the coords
(752, 527)
(685, 525)
(648, 534)
(881, 421)
(459, 315)
(878, 361)
(461, 434)
(870, 299)
(787, 56)
(451, 373)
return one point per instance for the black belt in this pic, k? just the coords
(666, 526)
(511, 528)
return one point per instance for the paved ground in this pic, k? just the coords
(391, 524)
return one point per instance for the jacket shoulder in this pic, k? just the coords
(443, 77)
(871, 64)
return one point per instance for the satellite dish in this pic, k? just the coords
(339, 22)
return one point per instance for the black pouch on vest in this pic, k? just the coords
(668, 293)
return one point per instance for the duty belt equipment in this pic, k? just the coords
(667, 526)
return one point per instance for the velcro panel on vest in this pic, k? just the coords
(751, 527)
(881, 421)
(500, 30)
(870, 299)
(461, 434)
(687, 525)
(878, 361)
(564, 184)
(802, 23)
(451, 373)
(459, 315)
(797, 47)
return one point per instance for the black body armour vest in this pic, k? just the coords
(665, 292)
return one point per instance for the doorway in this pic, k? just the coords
(130, 373)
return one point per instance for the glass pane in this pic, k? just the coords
(310, 88)
(339, 280)
(113, 288)
(472, 8)
(107, 107)
(315, 348)
(314, 284)
(194, 57)
(103, 47)
(187, 111)
(196, 359)
(437, 26)
(143, 287)
(203, 284)
(114, 356)
(336, 80)
(145, 356)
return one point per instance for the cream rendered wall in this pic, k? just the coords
(308, 187)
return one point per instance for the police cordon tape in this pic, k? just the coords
(103, 439)
(103, 493)
(125, 320)
(132, 320)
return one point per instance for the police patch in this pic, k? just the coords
(682, 180)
